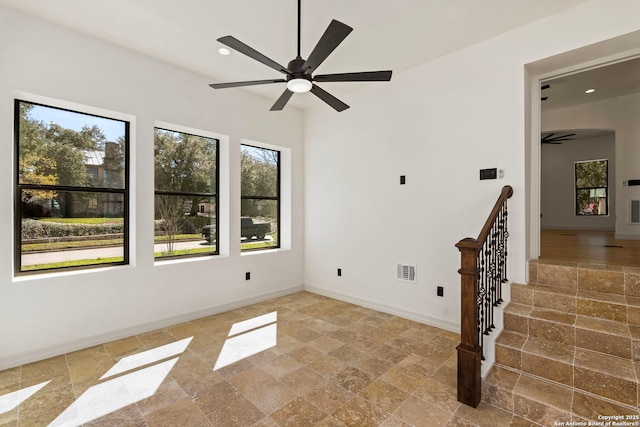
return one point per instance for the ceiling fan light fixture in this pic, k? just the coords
(224, 51)
(299, 85)
(591, 90)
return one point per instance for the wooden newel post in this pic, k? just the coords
(469, 350)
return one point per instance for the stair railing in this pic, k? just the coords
(483, 271)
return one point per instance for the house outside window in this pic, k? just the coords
(260, 198)
(186, 194)
(65, 216)
(592, 183)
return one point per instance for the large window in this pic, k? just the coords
(260, 198)
(71, 189)
(186, 189)
(592, 182)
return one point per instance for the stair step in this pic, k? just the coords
(552, 325)
(604, 336)
(592, 371)
(610, 279)
(607, 376)
(634, 330)
(570, 347)
(588, 303)
(542, 402)
(591, 333)
(549, 360)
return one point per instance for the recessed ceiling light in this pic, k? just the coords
(590, 90)
(224, 51)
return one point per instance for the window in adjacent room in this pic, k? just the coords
(186, 194)
(71, 198)
(260, 198)
(592, 182)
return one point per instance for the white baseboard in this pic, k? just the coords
(627, 236)
(417, 317)
(577, 228)
(18, 359)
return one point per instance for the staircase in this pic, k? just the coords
(570, 348)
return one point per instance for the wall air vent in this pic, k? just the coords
(634, 211)
(406, 273)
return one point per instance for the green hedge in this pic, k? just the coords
(190, 225)
(34, 229)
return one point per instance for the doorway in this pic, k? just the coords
(573, 116)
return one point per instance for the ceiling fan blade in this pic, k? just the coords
(334, 102)
(249, 83)
(282, 101)
(543, 87)
(547, 137)
(236, 44)
(544, 98)
(363, 76)
(335, 33)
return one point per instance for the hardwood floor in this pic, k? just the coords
(597, 247)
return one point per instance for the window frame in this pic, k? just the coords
(18, 188)
(277, 198)
(216, 195)
(577, 189)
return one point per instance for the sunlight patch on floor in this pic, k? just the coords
(11, 400)
(147, 357)
(109, 396)
(247, 338)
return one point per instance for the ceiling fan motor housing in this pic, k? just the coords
(295, 66)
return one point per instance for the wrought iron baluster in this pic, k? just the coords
(483, 271)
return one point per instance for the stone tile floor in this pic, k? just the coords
(298, 360)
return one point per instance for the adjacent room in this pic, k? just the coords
(319, 213)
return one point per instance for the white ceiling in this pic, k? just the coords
(622, 78)
(396, 35)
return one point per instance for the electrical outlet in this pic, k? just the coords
(440, 291)
(339, 272)
(247, 275)
(403, 180)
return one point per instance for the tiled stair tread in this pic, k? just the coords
(584, 294)
(633, 301)
(522, 294)
(589, 406)
(542, 288)
(549, 349)
(553, 316)
(540, 262)
(504, 378)
(511, 339)
(602, 325)
(601, 267)
(602, 297)
(545, 392)
(610, 365)
(518, 309)
(634, 330)
(583, 403)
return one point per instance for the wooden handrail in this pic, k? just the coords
(506, 193)
(473, 301)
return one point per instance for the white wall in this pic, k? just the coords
(558, 190)
(437, 124)
(47, 314)
(621, 115)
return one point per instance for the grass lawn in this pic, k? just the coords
(84, 220)
(74, 263)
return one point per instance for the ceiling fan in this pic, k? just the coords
(551, 139)
(299, 72)
(544, 98)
